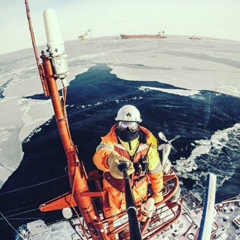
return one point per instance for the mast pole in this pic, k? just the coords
(39, 66)
(77, 177)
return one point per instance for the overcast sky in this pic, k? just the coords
(205, 18)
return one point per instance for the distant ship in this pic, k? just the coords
(159, 35)
(195, 38)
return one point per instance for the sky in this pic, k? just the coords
(205, 18)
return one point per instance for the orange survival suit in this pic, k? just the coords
(146, 163)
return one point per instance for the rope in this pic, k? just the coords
(11, 226)
(30, 186)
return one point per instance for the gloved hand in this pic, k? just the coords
(113, 161)
(158, 197)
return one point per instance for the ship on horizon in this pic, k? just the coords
(141, 36)
(194, 37)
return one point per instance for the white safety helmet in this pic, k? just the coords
(128, 113)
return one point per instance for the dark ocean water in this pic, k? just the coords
(94, 98)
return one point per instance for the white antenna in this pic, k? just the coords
(55, 42)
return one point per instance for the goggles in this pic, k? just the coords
(132, 126)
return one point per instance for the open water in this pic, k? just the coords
(204, 120)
